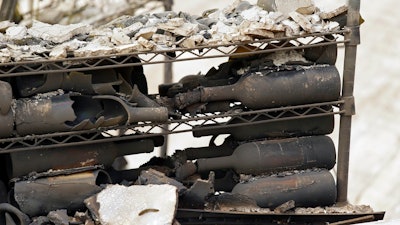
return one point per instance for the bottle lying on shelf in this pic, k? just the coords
(229, 72)
(21, 163)
(262, 126)
(6, 114)
(40, 196)
(275, 155)
(100, 81)
(305, 188)
(266, 89)
(71, 112)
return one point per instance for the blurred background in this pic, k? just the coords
(374, 177)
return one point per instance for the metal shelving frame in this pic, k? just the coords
(349, 36)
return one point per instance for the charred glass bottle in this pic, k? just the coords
(265, 89)
(276, 155)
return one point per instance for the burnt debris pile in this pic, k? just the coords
(278, 109)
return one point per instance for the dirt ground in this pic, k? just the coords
(374, 154)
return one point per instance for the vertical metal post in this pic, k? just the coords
(353, 16)
(167, 79)
(7, 9)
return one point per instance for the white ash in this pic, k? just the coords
(48, 95)
(280, 58)
(250, 178)
(347, 208)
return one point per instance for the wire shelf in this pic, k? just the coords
(48, 66)
(185, 124)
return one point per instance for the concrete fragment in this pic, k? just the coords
(58, 52)
(291, 28)
(57, 33)
(146, 44)
(119, 37)
(136, 204)
(93, 49)
(152, 176)
(333, 13)
(285, 207)
(5, 55)
(146, 33)
(284, 6)
(59, 217)
(186, 29)
(197, 194)
(4, 25)
(16, 32)
(302, 21)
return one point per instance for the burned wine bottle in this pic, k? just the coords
(275, 155)
(305, 188)
(40, 196)
(20, 163)
(265, 89)
(67, 112)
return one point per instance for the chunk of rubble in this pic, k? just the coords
(4, 25)
(119, 37)
(333, 13)
(197, 194)
(136, 204)
(57, 33)
(284, 6)
(16, 32)
(302, 21)
(152, 176)
(59, 217)
(93, 49)
(179, 27)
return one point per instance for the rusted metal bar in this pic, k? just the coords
(367, 218)
(168, 78)
(194, 216)
(348, 87)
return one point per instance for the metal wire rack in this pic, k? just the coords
(48, 66)
(186, 123)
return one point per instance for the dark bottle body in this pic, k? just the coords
(276, 155)
(306, 189)
(21, 163)
(267, 89)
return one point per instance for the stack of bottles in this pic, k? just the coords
(278, 160)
